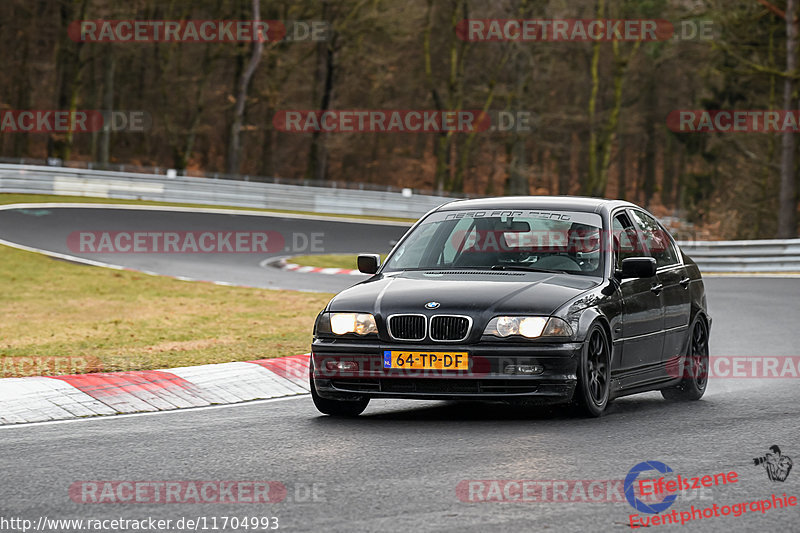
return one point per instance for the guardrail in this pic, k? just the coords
(745, 256)
(93, 166)
(711, 256)
(29, 179)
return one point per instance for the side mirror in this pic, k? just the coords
(368, 263)
(637, 267)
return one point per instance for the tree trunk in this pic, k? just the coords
(234, 143)
(109, 64)
(601, 139)
(649, 183)
(668, 181)
(23, 100)
(69, 76)
(591, 178)
(317, 168)
(622, 169)
(268, 145)
(564, 162)
(444, 177)
(680, 183)
(518, 183)
(638, 177)
(787, 199)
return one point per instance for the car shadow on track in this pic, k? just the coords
(455, 411)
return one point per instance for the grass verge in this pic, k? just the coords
(123, 320)
(62, 315)
(62, 318)
(329, 260)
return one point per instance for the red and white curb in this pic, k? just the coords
(319, 270)
(284, 265)
(40, 399)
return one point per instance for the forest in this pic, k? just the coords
(597, 116)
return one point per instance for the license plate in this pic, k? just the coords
(426, 360)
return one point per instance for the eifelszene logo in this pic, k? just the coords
(630, 483)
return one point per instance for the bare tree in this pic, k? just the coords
(787, 196)
(234, 139)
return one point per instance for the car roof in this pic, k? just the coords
(573, 203)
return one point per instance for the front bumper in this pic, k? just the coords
(487, 378)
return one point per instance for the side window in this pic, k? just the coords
(626, 242)
(657, 240)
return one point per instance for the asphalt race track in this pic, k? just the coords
(49, 227)
(398, 466)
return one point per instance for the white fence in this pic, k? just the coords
(194, 190)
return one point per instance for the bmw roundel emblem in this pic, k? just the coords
(432, 305)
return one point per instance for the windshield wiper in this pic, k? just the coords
(525, 269)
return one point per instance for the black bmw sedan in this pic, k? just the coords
(532, 299)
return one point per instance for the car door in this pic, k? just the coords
(642, 329)
(672, 276)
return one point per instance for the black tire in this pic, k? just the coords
(594, 374)
(695, 372)
(340, 408)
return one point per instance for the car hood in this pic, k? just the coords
(473, 293)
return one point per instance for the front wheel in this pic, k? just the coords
(341, 408)
(594, 374)
(695, 378)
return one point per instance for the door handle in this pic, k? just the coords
(685, 282)
(656, 289)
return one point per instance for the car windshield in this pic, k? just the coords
(547, 241)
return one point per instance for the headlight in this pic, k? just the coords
(359, 323)
(528, 326)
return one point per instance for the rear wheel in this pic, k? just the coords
(341, 408)
(594, 373)
(695, 377)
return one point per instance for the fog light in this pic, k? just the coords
(524, 369)
(341, 366)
